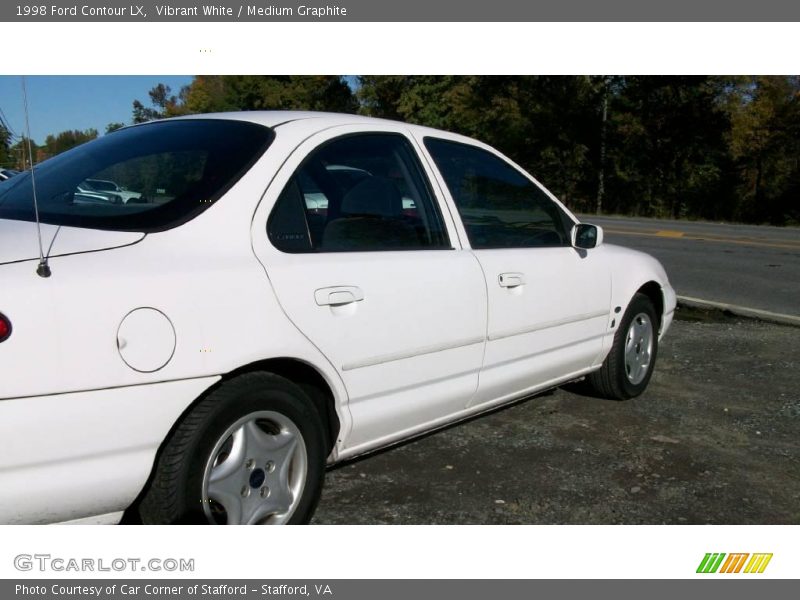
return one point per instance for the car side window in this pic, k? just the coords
(499, 206)
(358, 193)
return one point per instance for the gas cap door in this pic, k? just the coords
(146, 340)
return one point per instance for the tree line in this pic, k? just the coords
(693, 147)
(16, 155)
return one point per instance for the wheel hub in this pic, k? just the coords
(236, 490)
(638, 348)
(257, 478)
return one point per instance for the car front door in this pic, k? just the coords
(367, 265)
(549, 303)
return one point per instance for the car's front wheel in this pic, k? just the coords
(251, 452)
(629, 365)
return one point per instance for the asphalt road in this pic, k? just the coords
(712, 440)
(744, 265)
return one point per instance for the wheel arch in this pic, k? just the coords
(305, 376)
(652, 289)
(299, 372)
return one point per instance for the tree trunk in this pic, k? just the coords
(601, 176)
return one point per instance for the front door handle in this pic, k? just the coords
(338, 295)
(511, 280)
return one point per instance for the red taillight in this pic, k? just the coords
(5, 328)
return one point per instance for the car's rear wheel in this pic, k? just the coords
(251, 452)
(629, 365)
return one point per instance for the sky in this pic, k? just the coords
(58, 103)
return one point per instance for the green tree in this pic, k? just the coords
(56, 144)
(164, 104)
(19, 154)
(6, 160)
(113, 127)
(667, 154)
(215, 93)
(765, 142)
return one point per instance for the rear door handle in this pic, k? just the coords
(338, 295)
(511, 280)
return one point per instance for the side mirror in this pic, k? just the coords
(586, 236)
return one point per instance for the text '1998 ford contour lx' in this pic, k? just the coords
(227, 303)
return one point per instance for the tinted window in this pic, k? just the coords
(358, 193)
(145, 178)
(500, 207)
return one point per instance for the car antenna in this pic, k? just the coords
(43, 270)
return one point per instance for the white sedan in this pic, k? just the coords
(202, 358)
(112, 189)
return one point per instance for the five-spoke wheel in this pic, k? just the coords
(256, 472)
(638, 348)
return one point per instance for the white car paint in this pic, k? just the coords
(84, 454)
(430, 338)
(540, 329)
(18, 240)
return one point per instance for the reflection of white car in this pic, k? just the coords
(201, 360)
(109, 187)
(86, 193)
(92, 199)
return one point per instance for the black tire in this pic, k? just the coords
(611, 380)
(175, 492)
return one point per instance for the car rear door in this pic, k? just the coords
(367, 265)
(548, 302)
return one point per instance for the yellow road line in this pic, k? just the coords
(705, 238)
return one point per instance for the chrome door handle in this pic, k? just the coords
(511, 280)
(338, 295)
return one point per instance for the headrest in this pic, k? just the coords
(375, 196)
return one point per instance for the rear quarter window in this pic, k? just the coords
(146, 178)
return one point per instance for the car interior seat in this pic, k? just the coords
(370, 217)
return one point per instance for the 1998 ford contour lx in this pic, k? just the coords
(284, 290)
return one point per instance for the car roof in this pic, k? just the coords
(274, 118)
(320, 120)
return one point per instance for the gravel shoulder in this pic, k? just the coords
(715, 439)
